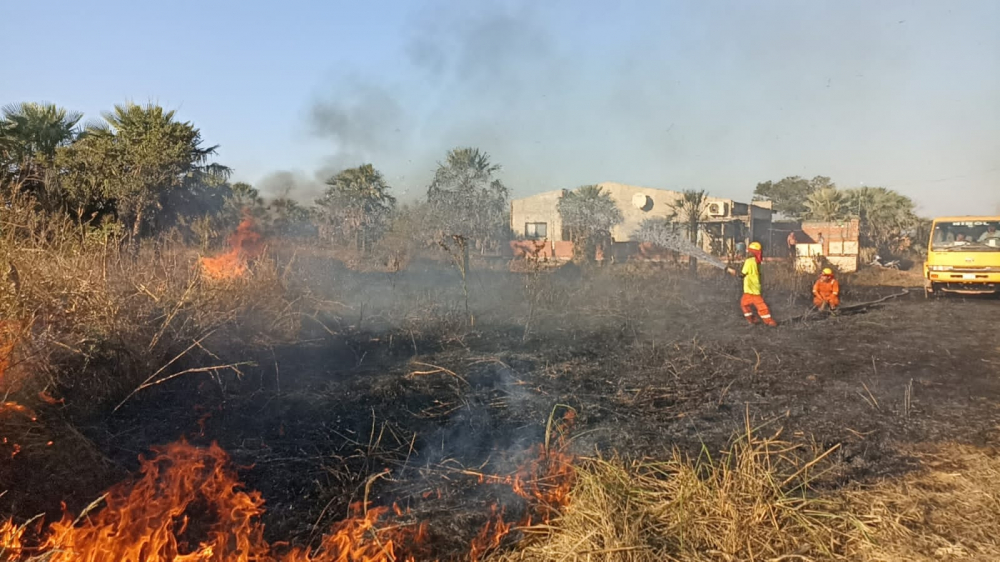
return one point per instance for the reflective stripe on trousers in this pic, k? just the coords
(749, 302)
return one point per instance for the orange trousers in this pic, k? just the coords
(749, 302)
(831, 300)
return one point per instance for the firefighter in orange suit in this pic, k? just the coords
(751, 287)
(826, 291)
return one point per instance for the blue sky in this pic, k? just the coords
(694, 94)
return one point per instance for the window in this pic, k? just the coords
(966, 235)
(535, 230)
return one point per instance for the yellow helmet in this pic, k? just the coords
(827, 271)
(754, 246)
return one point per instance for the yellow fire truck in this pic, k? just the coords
(963, 256)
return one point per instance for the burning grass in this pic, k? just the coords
(245, 244)
(187, 505)
(90, 329)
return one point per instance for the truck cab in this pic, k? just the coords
(963, 256)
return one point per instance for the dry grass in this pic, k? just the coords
(89, 317)
(751, 503)
(885, 277)
(755, 504)
(950, 510)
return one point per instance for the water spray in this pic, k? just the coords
(666, 236)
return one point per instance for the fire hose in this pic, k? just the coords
(853, 307)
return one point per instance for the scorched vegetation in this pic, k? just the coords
(191, 373)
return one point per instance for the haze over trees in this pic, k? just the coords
(357, 203)
(589, 214)
(790, 195)
(465, 198)
(143, 171)
(886, 217)
(689, 211)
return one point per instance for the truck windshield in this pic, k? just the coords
(966, 235)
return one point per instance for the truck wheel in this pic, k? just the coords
(934, 291)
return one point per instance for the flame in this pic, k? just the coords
(15, 408)
(187, 505)
(491, 535)
(10, 540)
(357, 539)
(544, 481)
(245, 244)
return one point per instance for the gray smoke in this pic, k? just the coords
(714, 96)
(297, 186)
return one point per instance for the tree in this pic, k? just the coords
(885, 216)
(358, 201)
(30, 134)
(140, 155)
(289, 218)
(244, 196)
(589, 214)
(466, 199)
(826, 204)
(689, 211)
(82, 181)
(789, 195)
(242, 200)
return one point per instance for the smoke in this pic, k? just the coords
(285, 184)
(705, 95)
(488, 78)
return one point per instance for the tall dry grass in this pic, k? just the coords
(752, 502)
(89, 319)
(755, 503)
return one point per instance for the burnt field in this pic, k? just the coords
(387, 395)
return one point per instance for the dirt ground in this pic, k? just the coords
(650, 361)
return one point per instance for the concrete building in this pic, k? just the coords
(536, 218)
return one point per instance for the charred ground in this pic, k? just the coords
(388, 376)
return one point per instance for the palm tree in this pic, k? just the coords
(30, 133)
(467, 199)
(884, 214)
(690, 209)
(359, 199)
(589, 213)
(825, 205)
(150, 154)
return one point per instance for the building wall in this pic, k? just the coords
(844, 231)
(543, 207)
(839, 247)
(537, 208)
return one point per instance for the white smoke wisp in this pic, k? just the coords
(672, 237)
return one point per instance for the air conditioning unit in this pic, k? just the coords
(718, 209)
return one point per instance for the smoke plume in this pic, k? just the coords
(707, 95)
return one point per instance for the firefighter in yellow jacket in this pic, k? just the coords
(752, 298)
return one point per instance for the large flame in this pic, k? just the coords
(244, 244)
(188, 506)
